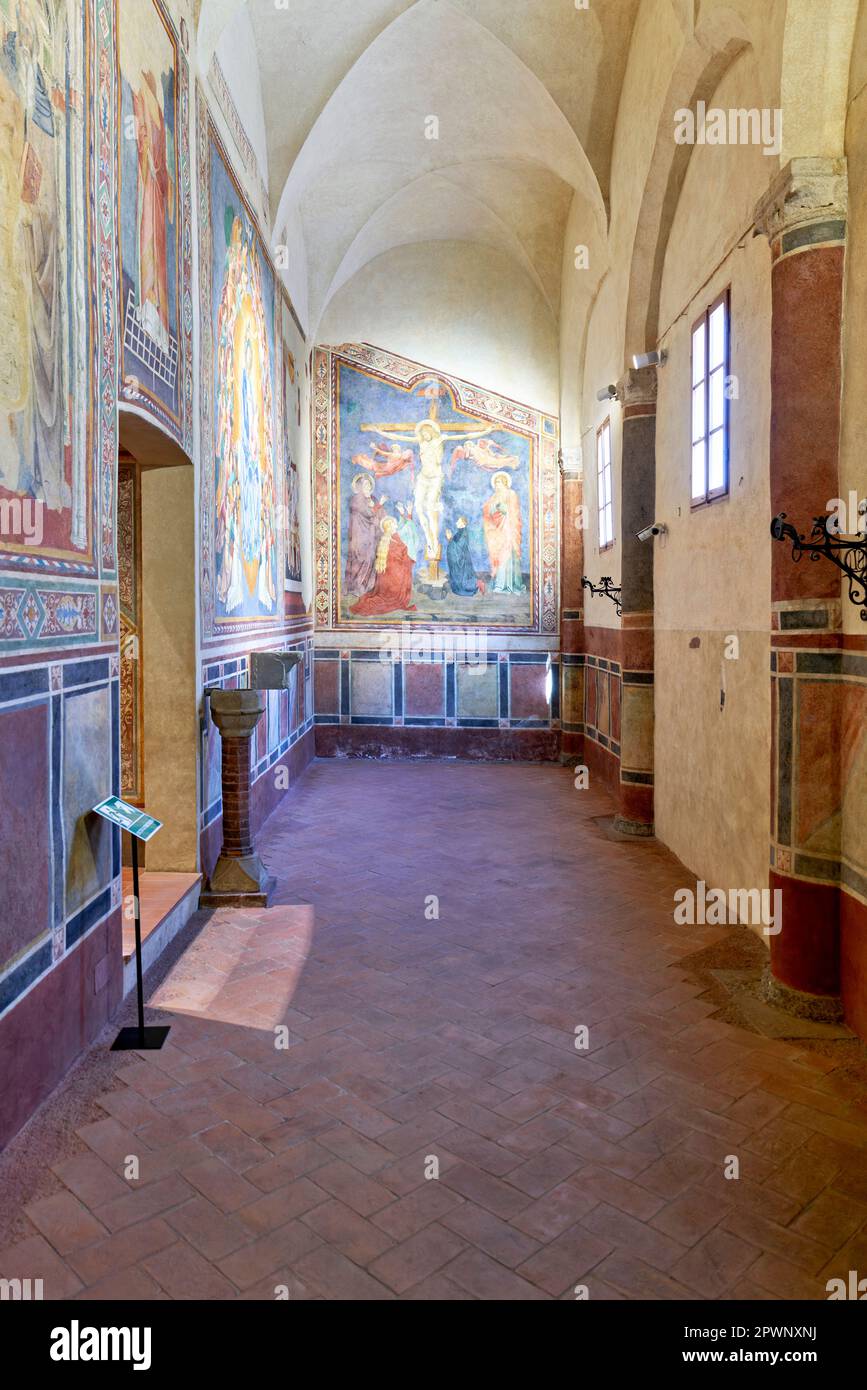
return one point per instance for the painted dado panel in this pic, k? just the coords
(485, 690)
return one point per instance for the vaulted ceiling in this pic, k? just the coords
(525, 96)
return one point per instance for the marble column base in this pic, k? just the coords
(238, 882)
(633, 829)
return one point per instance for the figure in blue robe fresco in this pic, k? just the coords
(410, 533)
(462, 576)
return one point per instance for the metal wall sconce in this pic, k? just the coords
(848, 553)
(605, 589)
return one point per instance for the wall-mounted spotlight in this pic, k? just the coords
(608, 393)
(650, 359)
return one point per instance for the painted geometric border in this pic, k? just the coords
(401, 371)
(37, 608)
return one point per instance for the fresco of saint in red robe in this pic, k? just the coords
(392, 589)
(501, 519)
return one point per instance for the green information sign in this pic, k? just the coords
(130, 818)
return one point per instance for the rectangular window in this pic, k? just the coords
(711, 336)
(604, 486)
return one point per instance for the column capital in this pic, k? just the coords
(571, 463)
(236, 712)
(638, 386)
(804, 192)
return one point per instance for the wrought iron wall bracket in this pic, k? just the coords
(605, 589)
(848, 553)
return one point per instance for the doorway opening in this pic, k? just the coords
(159, 726)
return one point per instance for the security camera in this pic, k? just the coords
(657, 529)
(607, 393)
(650, 359)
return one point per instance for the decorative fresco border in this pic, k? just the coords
(106, 272)
(207, 133)
(487, 404)
(180, 428)
(229, 111)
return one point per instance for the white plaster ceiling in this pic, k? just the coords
(525, 92)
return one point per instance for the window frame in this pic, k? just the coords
(711, 494)
(604, 431)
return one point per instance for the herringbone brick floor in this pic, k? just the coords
(440, 932)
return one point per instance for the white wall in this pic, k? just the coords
(458, 307)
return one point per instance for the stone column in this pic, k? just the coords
(637, 394)
(239, 879)
(804, 216)
(572, 526)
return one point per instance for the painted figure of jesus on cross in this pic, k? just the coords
(430, 435)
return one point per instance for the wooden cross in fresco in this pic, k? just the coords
(428, 436)
(433, 391)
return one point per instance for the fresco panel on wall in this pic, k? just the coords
(242, 490)
(155, 218)
(435, 500)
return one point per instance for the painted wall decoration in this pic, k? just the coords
(155, 212)
(242, 557)
(296, 461)
(59, 688)
(46, 491)
(435, 501)
(291, 411)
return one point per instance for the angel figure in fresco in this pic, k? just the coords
(392, 588)
(364, 517)
(501, 521)
(485, 453)
(156, 204)
(384, 463)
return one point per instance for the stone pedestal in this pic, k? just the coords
(239, 879)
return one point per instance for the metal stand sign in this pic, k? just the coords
(140, 826)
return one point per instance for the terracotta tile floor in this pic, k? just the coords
(468, 919)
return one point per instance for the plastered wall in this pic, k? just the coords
(466, 308)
